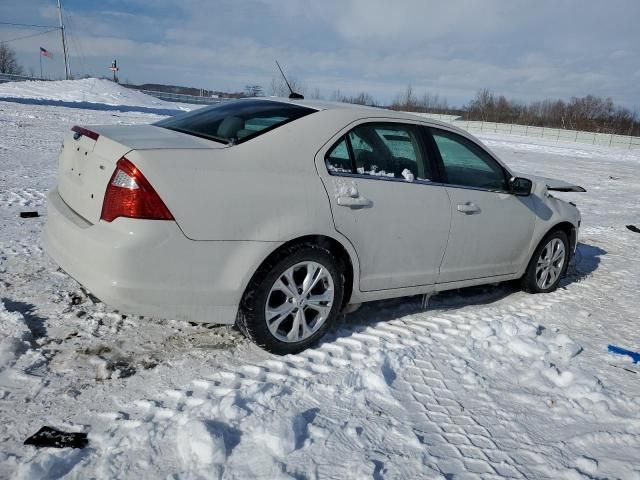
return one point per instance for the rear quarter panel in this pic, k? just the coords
(266, 189)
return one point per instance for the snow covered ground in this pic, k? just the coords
(91, 93)
(486, 382)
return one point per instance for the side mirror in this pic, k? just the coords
(521, 186)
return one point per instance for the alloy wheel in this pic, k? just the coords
(299, 302)
(550, 263)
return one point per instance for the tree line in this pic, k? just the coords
(409, 101)
(589, 113)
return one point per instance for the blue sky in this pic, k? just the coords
(523, 49)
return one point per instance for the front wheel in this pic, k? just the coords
(293, 300)
(548, 264)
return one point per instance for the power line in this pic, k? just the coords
(29, 36)
(76, 42)
(79, 56)
(27, 25)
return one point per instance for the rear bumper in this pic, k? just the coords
(149, 267)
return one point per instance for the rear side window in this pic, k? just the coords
(338, 159)
(383, 150)
(236, 121)
(466, 164)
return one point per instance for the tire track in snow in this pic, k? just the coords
(446, 439)
(27, 197)
(451, 439)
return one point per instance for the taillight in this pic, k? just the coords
(81, 131)
(130, 195)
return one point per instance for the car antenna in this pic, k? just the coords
(293, 95)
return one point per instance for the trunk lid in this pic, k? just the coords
(85, 165)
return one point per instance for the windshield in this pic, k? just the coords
(236, 121)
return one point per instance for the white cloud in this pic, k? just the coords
(522, 49)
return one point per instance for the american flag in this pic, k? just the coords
(45, 52)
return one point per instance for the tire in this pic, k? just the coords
(534, 281)
(270, 291)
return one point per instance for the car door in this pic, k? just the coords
(491, 228)
(378, 178)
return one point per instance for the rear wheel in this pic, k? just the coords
(548, 264)
(292, 300)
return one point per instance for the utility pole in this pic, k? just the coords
(67, 72)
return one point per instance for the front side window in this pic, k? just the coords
(384, 150)
(236, 121)
(466, 164)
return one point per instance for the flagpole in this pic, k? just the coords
(40, 64)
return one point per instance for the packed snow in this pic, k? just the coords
(87, 93)
(487, 382)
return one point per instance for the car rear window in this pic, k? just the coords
(236, 121)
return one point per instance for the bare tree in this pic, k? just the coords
(8, 62)
(363, 98)
(433, 103)
(429, 103)
(279, 87)
(406, 101)
(316, 94)
(483, 104)
(253, 90)
(336, 95)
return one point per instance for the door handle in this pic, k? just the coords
(354, 202)
(469, 208)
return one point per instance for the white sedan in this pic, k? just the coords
(276, 215)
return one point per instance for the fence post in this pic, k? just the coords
(510, 128)
(610, 139)
(576, 139)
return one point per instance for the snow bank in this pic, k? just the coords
(200, 449)
(518, 348)
(88, 93)
(16, 337)
(92, 90)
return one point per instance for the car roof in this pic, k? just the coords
(351, 112)
(356, 110)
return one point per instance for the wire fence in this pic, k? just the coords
(7, 77)
(557, 134)
(182, 98)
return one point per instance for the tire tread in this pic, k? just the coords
(528, 280)
(247, 313)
